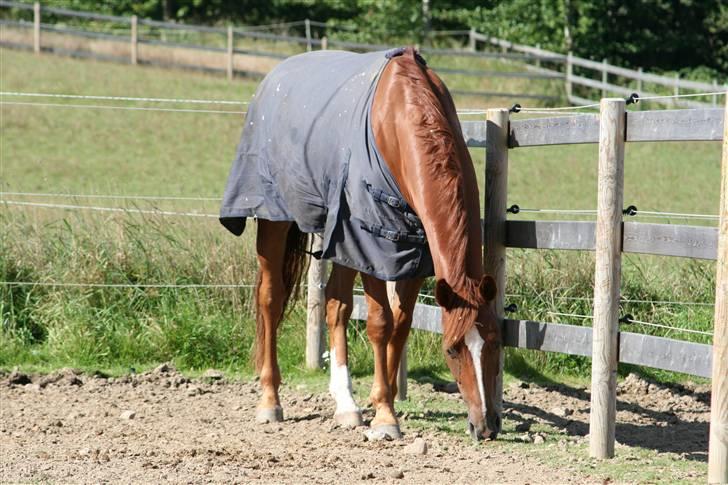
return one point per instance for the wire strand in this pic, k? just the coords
(659, 325)
(658, 214)
(119, 197)
(692, 95)
(123, 98)
(126, 108)
(464, 111)
(622, 300)
(107, 209)
(561, 108)
(122, 285)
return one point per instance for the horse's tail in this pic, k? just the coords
(294, 266)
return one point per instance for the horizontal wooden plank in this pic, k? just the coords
(561, 130)
(426, 317)
(664, 353)
(548, 337)
(675, 125)
(474, 133)
(638, 349)
(20, 5)
(670, 240)
(579, 235)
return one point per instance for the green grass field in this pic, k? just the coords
(84, 151)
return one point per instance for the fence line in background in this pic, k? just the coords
(123, 98)
(120, 197)
(124, 285)
(123, 108)
(108, 209)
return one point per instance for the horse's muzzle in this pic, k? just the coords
(488, 431)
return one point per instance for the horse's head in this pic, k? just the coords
(474, 358)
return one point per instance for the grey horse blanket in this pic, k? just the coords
(307, 154)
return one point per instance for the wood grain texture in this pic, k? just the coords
(718, 446)
(705, 124)
(474, 133)
(560, 130)
(36, 27)
(579, 235)
(664, 353)
(230, 53)
(697, 242)
(496, 188)
(315, 308)
(134, 47)
(607, 278)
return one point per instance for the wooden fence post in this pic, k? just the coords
(402, 376)
(230, 52)
(639, 86)
(538, 57)
(607, 278)
(605, 78)
(36, 27)
(307, 22)
(718, 447)
(316, 307)
(496, 188)
(324, 43)
(471, 40)
(715, 96)
(134, 40)
(569, 74)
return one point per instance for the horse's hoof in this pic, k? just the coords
(349, 419)
(391, 430)
(269, 415)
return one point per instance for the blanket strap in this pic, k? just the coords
(395, 236)
(395, 202)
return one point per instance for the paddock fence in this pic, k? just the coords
(610, 236)
(255, 50)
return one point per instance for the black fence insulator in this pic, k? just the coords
(514, 209)
(516, 108)
(512, 308)
(630, 211)
(633, 98)
(627, 318)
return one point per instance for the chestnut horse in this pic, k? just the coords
(415, 125)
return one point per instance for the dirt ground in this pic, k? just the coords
(160, 426)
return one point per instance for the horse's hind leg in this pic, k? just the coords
(402, 299)
(271, 295)
(379, 330)
(339, 303)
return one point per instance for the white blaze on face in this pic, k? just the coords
(475, 343)
(340, 386)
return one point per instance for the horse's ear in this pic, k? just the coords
(444, 295)
(487, 287)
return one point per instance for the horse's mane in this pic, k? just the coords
(438, 131)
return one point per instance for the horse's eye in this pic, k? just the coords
(452, 353)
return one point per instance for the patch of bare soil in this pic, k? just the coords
(664, 418)
(160, 426)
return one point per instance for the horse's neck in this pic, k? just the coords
(428, 158)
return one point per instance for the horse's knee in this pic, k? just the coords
(379, 324)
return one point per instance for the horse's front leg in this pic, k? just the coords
(379, 330)
(402, 299)
(339, 304)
